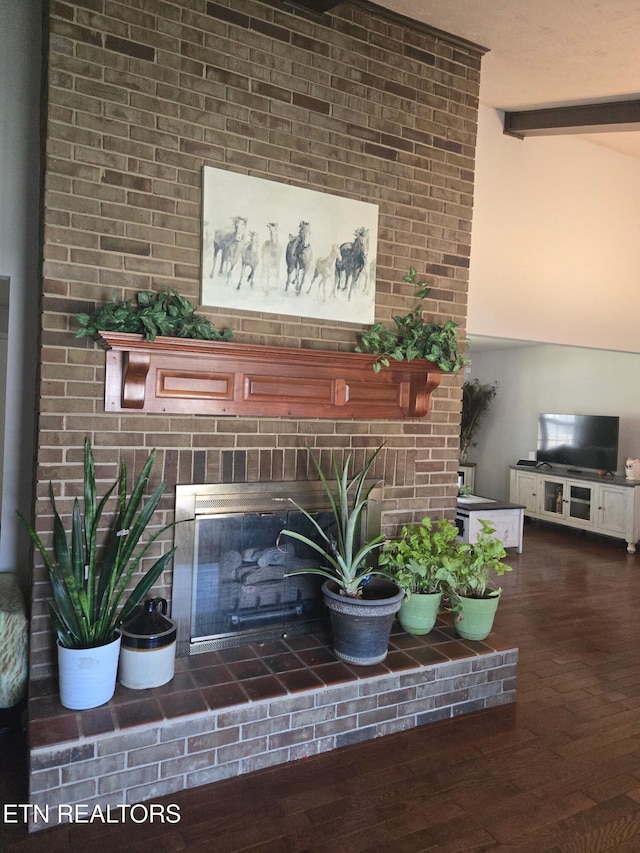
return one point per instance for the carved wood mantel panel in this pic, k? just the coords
(185, 376)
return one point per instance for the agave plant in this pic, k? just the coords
(89, 584)
(344, 555)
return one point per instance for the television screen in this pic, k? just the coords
(579, 441)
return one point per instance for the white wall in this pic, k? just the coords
(554, 241)
(546, 378)
(20, 63)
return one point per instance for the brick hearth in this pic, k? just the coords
(236, 710)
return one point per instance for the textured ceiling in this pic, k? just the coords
(547, 53)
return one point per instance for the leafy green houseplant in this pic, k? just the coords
(472, 596)
(361, 600)
(412, 337)
(476, 399)
(151, 314)
(89, 583)
(416, 561)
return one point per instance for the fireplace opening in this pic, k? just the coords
(229, 584)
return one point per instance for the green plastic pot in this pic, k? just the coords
(419, 612)
(474, 620)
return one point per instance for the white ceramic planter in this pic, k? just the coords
(87, 677)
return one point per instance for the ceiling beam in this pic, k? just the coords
(586, 118)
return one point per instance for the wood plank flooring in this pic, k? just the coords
(558, 772)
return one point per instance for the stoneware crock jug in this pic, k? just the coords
(148, 648)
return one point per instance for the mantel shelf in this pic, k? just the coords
(185, 376)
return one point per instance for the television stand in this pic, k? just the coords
(609, 506)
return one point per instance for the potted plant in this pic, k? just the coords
(150, 314)
(472, 568)
(89, 582)
(361, 599)
(416, 562)
(413, 337)
(476, 399)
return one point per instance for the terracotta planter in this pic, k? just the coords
(361, 626)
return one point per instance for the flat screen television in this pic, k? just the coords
(579, 441)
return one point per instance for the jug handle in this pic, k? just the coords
(162, 603)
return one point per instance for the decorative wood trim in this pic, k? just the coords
(184, 376)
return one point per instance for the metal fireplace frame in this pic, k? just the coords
(198, 501)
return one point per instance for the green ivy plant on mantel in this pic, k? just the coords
(414, 338)
(151, 314)
(169, 314)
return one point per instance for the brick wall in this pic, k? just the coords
(145, 762)
(140, 98)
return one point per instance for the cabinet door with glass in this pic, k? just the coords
(580, 504)
(552, 498)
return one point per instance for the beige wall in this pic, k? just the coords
(547, 378)
(554, 248)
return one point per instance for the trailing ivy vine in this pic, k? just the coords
(151, 314)
(414, 338)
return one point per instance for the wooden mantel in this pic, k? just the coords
(185, 376)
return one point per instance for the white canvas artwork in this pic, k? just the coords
(275, 248)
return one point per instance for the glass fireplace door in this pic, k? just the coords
(239, 585)
(229, 565)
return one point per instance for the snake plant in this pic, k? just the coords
(90, 582)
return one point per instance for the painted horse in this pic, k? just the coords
(351, 262)
(299, 257)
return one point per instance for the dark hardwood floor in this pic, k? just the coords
(558, 772)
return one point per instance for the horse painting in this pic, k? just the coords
(299, 257)
(250, 258)
(271, 257)
(323, 272)
(351, 262)
(227, 245)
